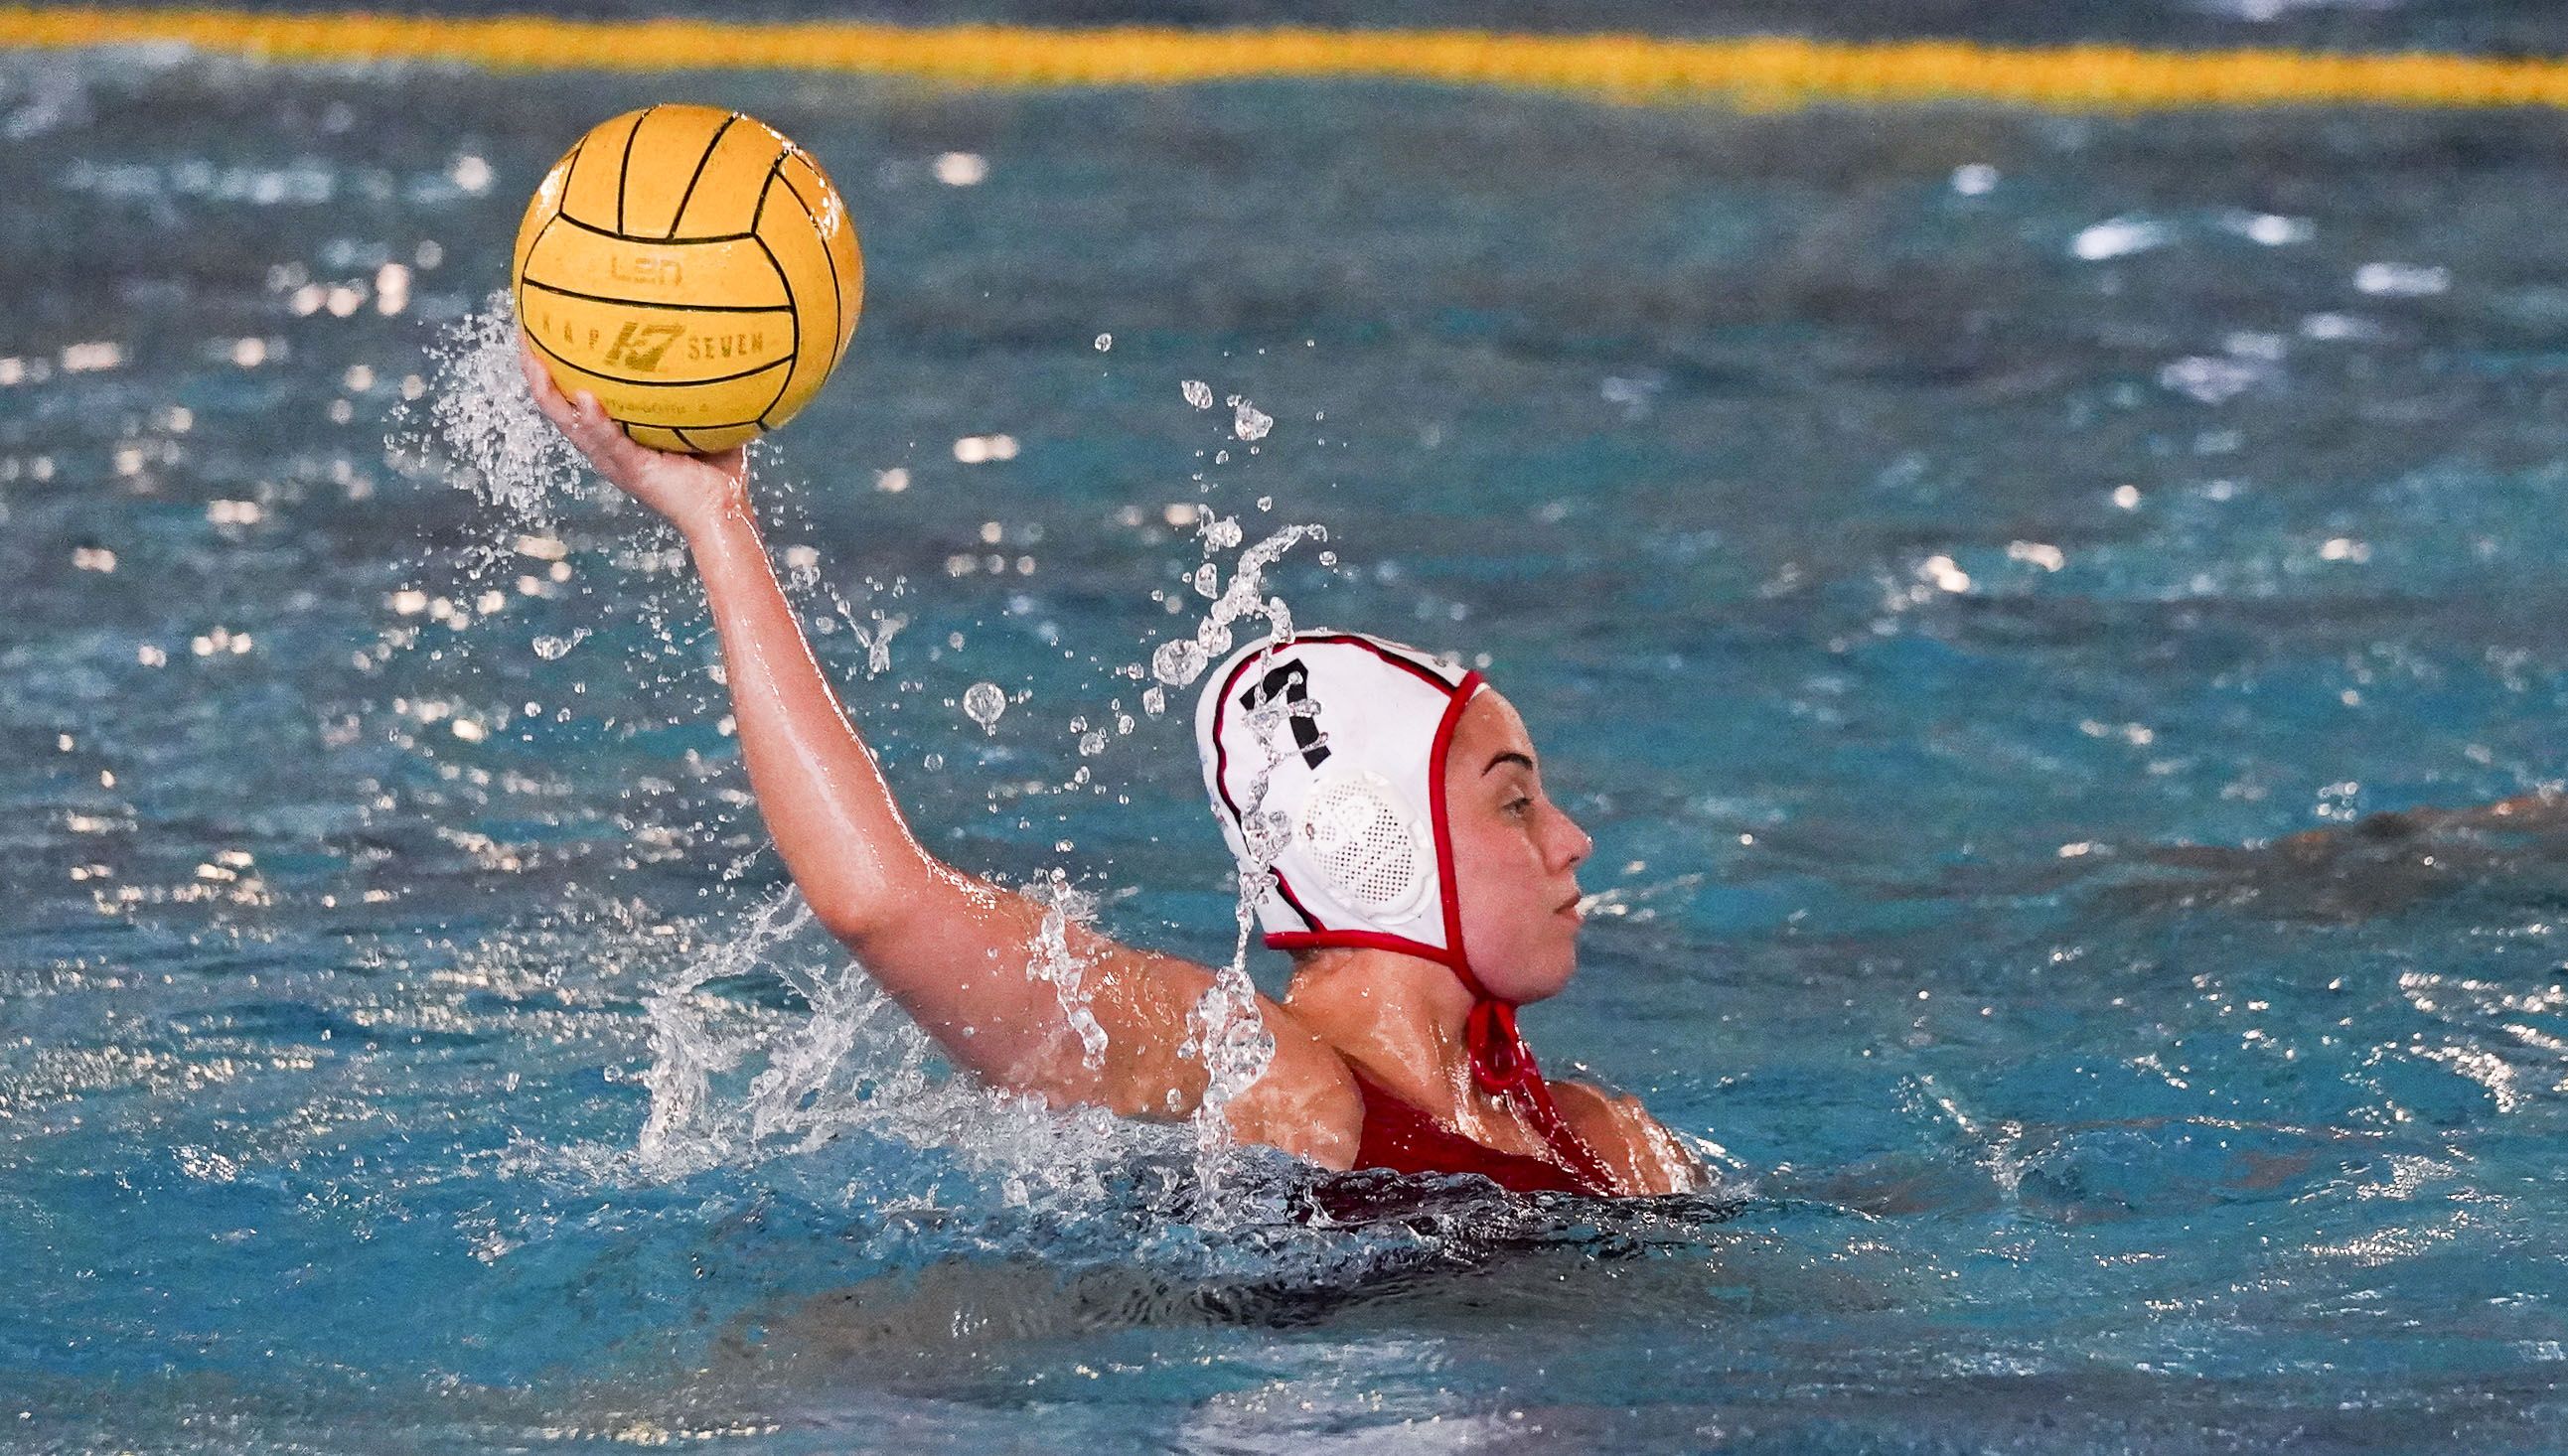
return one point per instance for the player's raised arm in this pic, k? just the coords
(960, 954)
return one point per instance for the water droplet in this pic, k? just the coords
(552, 649)
(1175, 664)
(1220, 532)
(983, 703)
(1104, 342)
(1207, 579)
(1154, 700)
(932, 762)
(1092, 744)
(1197, 393)
(1250, 422)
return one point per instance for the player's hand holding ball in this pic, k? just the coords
(690, 491)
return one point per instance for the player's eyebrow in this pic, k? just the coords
(1510, 755)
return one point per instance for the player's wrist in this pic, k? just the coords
(720, 523)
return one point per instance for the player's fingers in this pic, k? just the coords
(605, 442)
(596, 430)
(539, 382)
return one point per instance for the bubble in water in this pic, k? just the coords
(1197, 393)
(1250, 422)
(983, 703)
(1104, 342)
(1176, 663)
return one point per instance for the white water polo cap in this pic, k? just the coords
(1325, 759)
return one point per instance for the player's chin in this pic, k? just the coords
(1559, 965)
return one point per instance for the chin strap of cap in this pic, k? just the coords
(1504, 1066)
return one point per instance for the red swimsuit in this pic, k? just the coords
(1402, 1139)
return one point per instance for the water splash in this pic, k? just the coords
(1057, 965)
(553, 648)
(877, 641)
(1179, 661)
(481, 429)
(734, 1082)
(1176, 663)
(1224, 1030)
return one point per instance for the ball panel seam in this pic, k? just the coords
(699, 173)
(837, 304)
(629, 237)
(773, 172)
(693, 308)
(790, 302)
(624, 167)
(786, 364)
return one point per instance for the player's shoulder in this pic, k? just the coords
(1597, 1112)
(1307, 1102)
(1614, 1123)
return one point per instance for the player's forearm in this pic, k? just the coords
(824, 798)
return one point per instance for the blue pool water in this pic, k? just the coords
(1942, 555)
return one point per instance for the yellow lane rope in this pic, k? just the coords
(1755, 71)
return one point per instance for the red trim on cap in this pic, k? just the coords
(1284, 887)
(1355, 638)
(1437, 751)
(1367, 939)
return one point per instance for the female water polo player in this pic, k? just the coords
(1424, 882)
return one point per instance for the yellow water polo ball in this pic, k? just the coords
(693, 269)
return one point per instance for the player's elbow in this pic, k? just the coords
(862, 899)
(894, 912)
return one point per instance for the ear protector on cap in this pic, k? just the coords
(1369, 844)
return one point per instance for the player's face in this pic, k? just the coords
(1516, 856)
